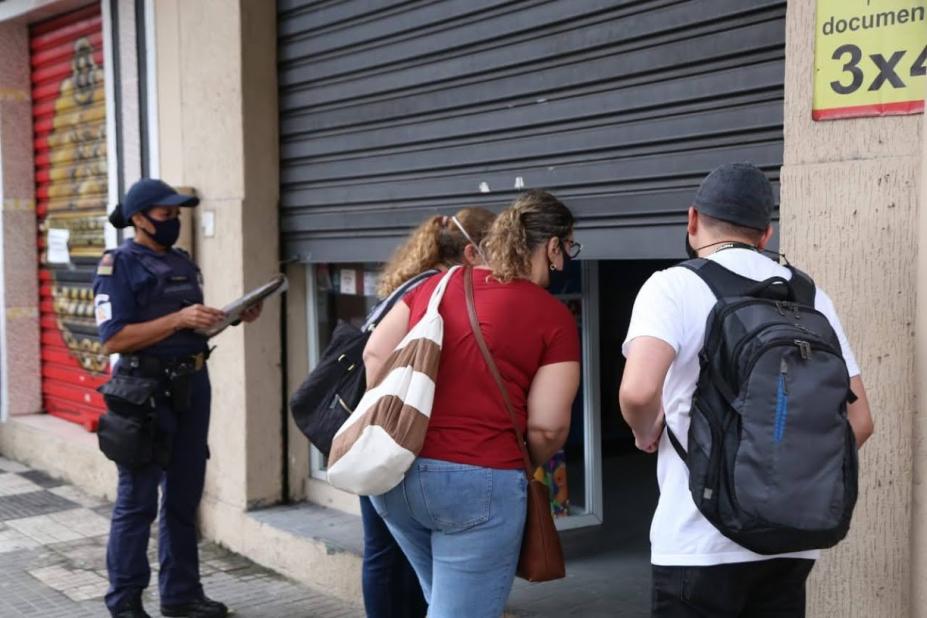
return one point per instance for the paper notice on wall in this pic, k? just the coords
(348, 280)
(370, 283)
(57, 248)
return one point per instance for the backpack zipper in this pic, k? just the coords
(710, 337)
(782, 401)
(746, 339)
(804, 348)
(755, 333)
(808, 346)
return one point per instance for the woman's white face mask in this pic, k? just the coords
(469, 239)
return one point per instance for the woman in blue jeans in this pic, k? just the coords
(459, 513)
(391, 588)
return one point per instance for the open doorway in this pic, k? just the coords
(608, 565)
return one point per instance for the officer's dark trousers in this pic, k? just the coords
(137, 505)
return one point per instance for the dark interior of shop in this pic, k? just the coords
(608, 565)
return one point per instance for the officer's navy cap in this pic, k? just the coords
(148, 193)
(738, 193)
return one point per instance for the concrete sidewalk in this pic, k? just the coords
(53, 560)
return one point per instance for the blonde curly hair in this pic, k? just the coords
(436, 242)
(534, 218)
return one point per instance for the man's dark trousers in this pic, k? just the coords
(766, 589)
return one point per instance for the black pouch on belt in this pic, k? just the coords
(181, 391)
(128, 432)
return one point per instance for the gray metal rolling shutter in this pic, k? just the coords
(393, 110)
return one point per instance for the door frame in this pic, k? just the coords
(593, 513)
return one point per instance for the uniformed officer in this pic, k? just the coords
(148, 303)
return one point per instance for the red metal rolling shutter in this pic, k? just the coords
(69, 116)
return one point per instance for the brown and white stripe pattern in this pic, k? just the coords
(375, 447)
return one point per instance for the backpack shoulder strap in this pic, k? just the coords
(677, 446)
(722, 282)
(802, 286)
(384, 306)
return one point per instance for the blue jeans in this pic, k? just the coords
(391, 588)
(461, 528)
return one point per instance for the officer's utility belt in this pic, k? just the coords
(157, 367)
(129, 432)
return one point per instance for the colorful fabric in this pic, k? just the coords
(554, 475)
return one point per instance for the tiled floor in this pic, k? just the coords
(53, 560)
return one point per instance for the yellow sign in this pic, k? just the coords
(870, 58)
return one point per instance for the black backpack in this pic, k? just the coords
(332, 390)
(772, 457)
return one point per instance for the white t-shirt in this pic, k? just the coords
(673, 305)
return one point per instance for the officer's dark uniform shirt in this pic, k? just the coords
(135, 284)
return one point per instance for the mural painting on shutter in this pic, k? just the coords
(69, 119)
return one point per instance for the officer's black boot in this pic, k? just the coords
(130, 609)
(201, 608)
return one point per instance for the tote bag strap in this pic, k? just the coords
(493, 369)
(438, 293)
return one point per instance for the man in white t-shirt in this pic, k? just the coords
(697, 571)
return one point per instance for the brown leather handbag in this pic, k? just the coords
(541, 557)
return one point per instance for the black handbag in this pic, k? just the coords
(332, 390)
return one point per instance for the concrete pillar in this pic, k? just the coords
(849, 216)
(20, 372)
(919, 510)
(127, 83)
(297, 349)
(217, 115)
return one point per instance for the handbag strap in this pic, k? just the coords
(383, 307)
(493, 369)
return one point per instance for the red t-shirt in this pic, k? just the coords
(525, 328)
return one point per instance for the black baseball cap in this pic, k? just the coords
(145, 194)
(738, 193)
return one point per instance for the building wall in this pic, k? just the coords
(919, 506)
(20, 375)
(850, 194)
(217, 113)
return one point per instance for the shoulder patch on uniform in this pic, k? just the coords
(107, 263)
(103, 308)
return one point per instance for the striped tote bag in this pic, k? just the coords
(376, 445)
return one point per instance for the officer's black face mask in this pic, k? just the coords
(166, 232)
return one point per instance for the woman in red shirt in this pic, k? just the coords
(459, 513)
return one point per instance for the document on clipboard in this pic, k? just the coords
(234, 309)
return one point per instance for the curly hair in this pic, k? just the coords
(436, 242)
(534, 218)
